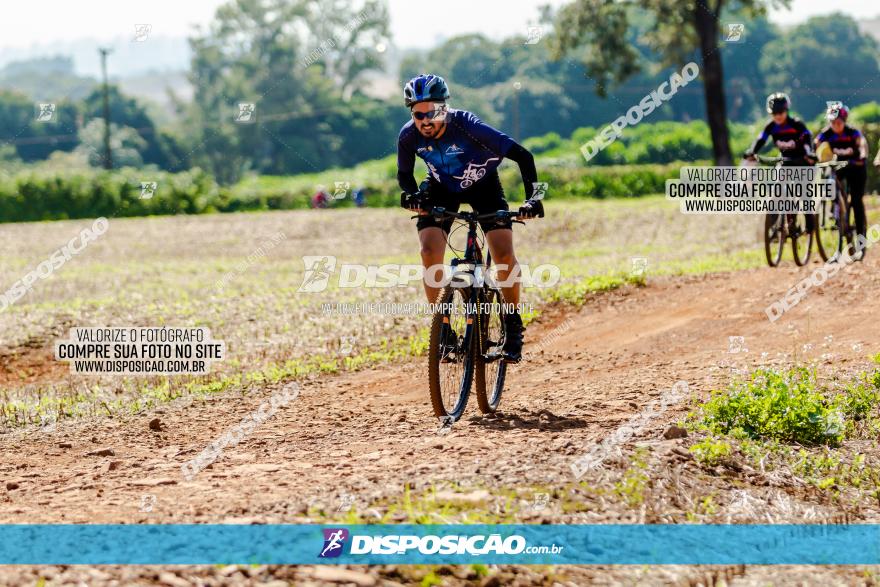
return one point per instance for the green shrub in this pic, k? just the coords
(577, 181)
(868, 112)
(786, 406)
(711, 451)
(540, 145)
(86, 194)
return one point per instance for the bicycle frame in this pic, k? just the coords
(784, 225)
(833, 167)
(473, 258)
(778, 162)
(473, 254)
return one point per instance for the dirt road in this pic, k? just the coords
(350, 443)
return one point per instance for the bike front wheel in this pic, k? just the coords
(451, 353)
(774, 238)
(491, 369)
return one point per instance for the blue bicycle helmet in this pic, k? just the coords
(425, 88)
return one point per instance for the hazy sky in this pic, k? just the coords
(413, 24)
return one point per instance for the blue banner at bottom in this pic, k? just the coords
(178, 544)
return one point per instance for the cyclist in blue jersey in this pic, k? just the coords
(462, 154)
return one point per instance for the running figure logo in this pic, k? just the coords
(317, 274)
(334, 540)
(46, 113)
(247, 113)
(735, 32)
(534, 35)
(148, 188)
(141, 32)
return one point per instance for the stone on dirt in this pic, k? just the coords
(675, 432)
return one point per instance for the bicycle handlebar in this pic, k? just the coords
(833, 164)
(441, 212)
(780, 159)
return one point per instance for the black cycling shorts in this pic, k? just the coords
(485, 196)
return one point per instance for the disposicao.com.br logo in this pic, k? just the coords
(319, 269)
(450, 544)
(334, 542)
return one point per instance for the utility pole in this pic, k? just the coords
(108, 158)
(516, 113)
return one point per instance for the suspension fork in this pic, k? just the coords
(473, 256)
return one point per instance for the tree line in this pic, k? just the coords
(281, 88)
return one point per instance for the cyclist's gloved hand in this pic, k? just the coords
(531, 209)
(415, 202)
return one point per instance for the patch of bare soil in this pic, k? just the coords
(368, 434)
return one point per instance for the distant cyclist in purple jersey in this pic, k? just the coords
(790, 135)
(462, 154)
(848, 144)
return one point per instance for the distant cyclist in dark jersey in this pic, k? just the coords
(847, 144)
(790, 135)
(462, 154)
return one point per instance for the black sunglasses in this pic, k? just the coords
(430, 115)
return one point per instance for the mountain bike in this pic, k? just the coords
(468, 327)
(779, 227)
(834, 221)
(850, 231)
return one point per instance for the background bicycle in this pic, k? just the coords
(779, 227)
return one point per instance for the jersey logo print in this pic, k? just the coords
(454, 149)
(473, 173)
(433, 170)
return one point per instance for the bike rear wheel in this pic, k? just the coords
(801, 238)
(830, 228)
(491, 369)
(451, 354)
(774, 238)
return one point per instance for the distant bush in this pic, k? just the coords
(637, 163)
(34, 196)
(541, 145)
(43, 196)
(658, 142)
(863, 113)
(872, 133)
(577, 181)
